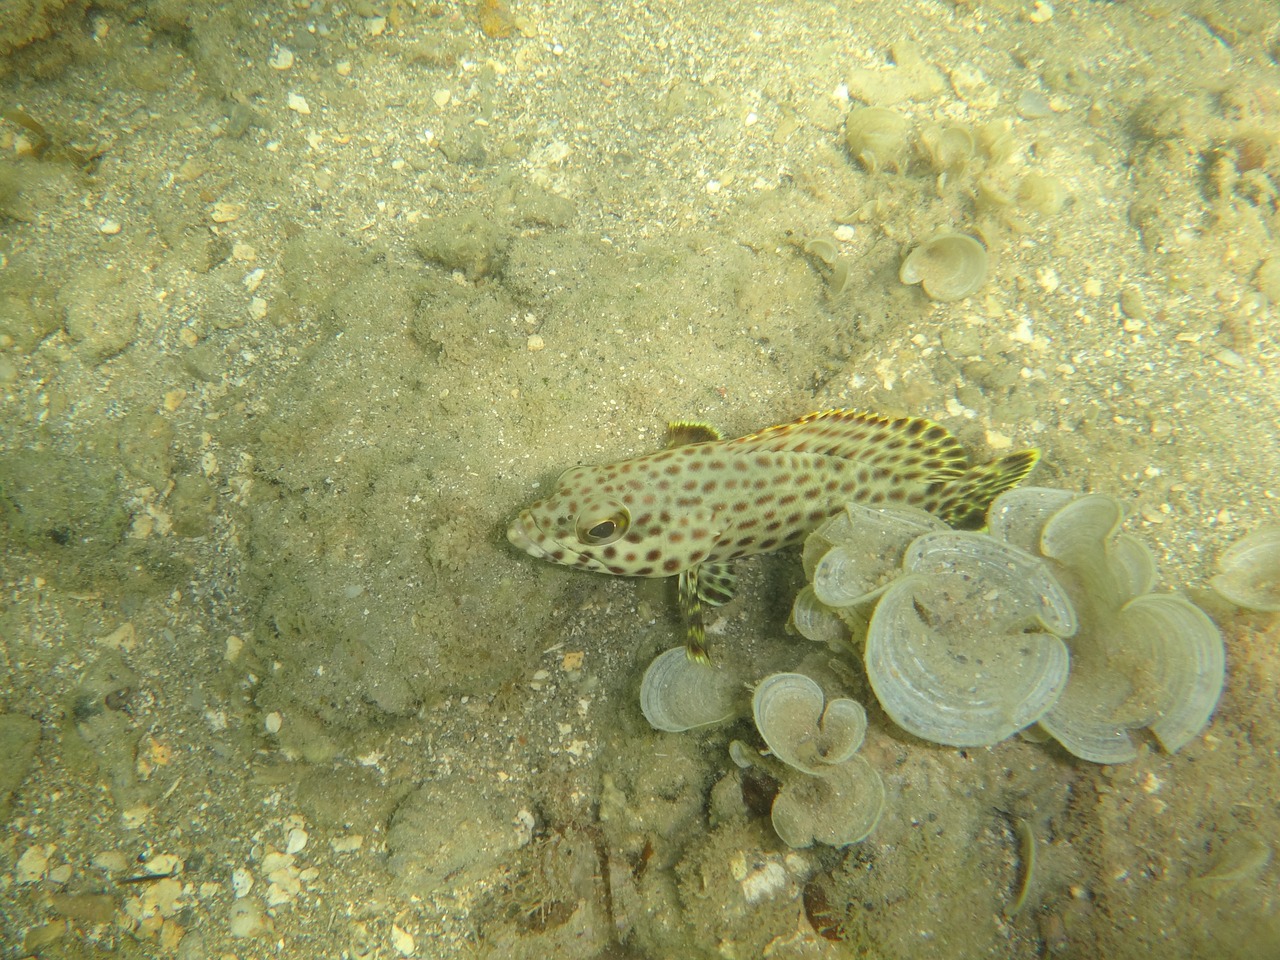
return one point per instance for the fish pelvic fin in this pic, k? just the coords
(695, 642)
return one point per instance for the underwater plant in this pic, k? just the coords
(829, 794)
(1048, 618)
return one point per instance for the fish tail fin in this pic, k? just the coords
(963, 501)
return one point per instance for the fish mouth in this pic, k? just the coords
(518, 535)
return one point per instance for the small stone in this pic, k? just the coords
(257, 308)
(281, 58)
(273, 722)
(109, 227)
(223, 212)
(1041, 12)
(1229, 358)
(998, 441)
(296, 840)
(1132, 304)
(970, 85)
(349, 844)
(111, 861)
(173, 399)
(134, 817)
(535, 343)
(343, 68)
(248, 920)
(123, 637)
(241, 882)
(1047, 278)
(441, 97)
(164, 863)
(32, 864)
(402, 940)
(298, 104)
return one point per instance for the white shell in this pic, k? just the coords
(679, 694)
(950, 266)
(788, 710)
(838, 808)
(868, 546)
(1159, 662)
(876, 136)
(1250, 576)
(1144, 660)
(966, 649)
(816, 621)
(1018, 516)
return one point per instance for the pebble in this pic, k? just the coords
(109, 227)
(281, 58)
(403, 941)
(241, 882)
(1041, 12)
(248, 920)
(971, 86)
(112, 861)
(348, 844)
(224, 212)
(273, 722)
(164, 863)
(1033, 105)
(535, 343)
(296, 840)
(32, 864)
(1229, 358)
(298, 104)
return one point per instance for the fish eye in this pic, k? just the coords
(603, 524)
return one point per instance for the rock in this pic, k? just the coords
(100, 311)
(449, 828)
(19, 737)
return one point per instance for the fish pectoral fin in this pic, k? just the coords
(695, 641)
(717, 582)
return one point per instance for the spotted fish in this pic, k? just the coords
(703, 502)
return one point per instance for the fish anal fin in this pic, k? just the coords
(695, 641)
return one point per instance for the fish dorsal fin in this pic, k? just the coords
(681, 432)
(903, 443)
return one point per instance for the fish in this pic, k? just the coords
(695, 507)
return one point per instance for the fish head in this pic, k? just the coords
(631, 522)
